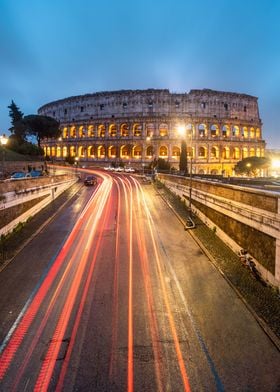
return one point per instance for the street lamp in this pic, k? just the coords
(183, 132)
(3, 141)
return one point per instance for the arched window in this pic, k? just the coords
(137, 130)
(163, 130)
(236, 153)
(190, 131)
(175, 152)
(225, 131)
(73, 132)
(149, 151)
(101, 130)
(91, 151)
(112, 152)
(101, 152)
(81, 132)
(202, 130)
(72, 151)
(124, 130)
(252, 152)
(235, 131)
(125, 151)
(252, 133)
(258, 152)
(214, 130)
(244, 152)
(91, 131)
(65, 133)
(245, 132)
(150, 130)
(58, 152)
(137, 151)
(163, 152)
(258, 133)
(113, 130)
(202, 152)
(225, 153)
(64, 152)
(214, 152)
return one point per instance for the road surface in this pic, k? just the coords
(115, 296)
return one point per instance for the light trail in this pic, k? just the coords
(47, 367)
(180, 358)
(31, 312)
(149, 296)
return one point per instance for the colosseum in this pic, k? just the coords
(134, 127)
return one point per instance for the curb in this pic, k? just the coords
(265, 327)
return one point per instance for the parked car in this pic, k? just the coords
(90, 180)
(18, 176)
(129, 170)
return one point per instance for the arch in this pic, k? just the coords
(258, 152)
(90, 151)
(72, 151)
(73, 132)
(252, 133)
(124, 130)
(137, 130)
(137, 151)
(176, 152)
(236, 153)
(258, 133)
(214, 172)
(200, 171)
(235, 130)
(64, 152)
(150, 129)
(252, 152)
(112, 152)
(190, 152)
(58, 152)
(163, 152)
(149, 151)
(82, 151)
(101, 130)
(65, 133)
(163, 129)
(101, 152)
(244, 152)
(82, 132)
(214, 130)
(190, 131)
(202, 152)
(53, 151)
(91, 131)
(225, 153)
(214, 153)
(48, 151)
(225, 131)
(125, 151)
(245, 132)
(202, 130)
(112, 130)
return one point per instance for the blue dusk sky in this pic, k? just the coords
(55, 49)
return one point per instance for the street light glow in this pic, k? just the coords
(181, 130)
(275, 163)
(3, 140)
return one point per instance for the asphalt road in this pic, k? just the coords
(115, 296)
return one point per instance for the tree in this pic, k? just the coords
(252, 166)
(41, 127)
(183, 164)
(16, 120)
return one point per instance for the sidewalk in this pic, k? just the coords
(262, 300)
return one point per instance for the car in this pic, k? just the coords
(18, 176)
(129, 170)
(119, 169)
(90, 180)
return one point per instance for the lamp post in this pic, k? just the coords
(4, 141)
(76, 165)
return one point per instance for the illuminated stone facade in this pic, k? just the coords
(136, 126)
